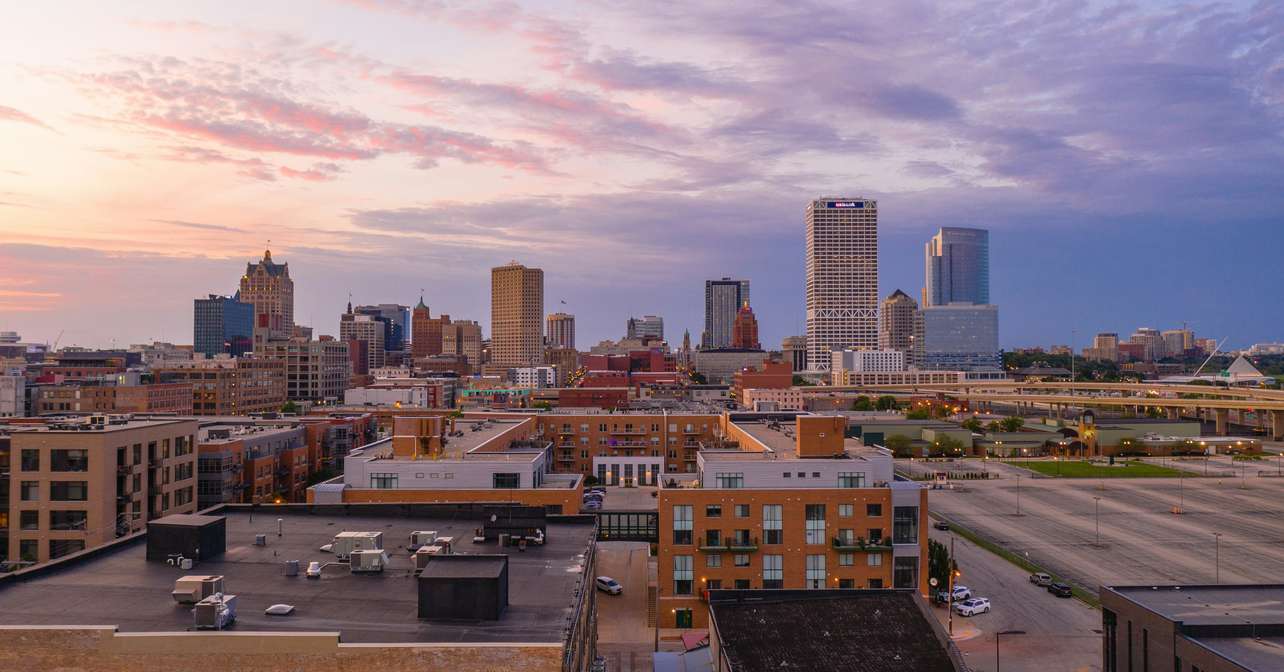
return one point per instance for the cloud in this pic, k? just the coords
(319, 172)
(199, 226)
(18, 116)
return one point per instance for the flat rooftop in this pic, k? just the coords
(1261, 653)
(780, 439)
(1211, 605)
(476, 432)
(118, 587)
(77, 426)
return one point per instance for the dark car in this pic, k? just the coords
(941, 525)
(1060, 589)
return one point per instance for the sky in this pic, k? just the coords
(1128, 159)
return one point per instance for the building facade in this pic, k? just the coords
(222, 325)
(316, 371)
(722, 299)
(960, 337)
(794, 349)
(647, 326)
(957, 267)
(868, 361)
(516, 315)
(561, 330)
(368, 329)
(1105, 347)
(900, 325)
(463, 338)
(232, 386)
(745, 330)
(267, 286)
(842, 276)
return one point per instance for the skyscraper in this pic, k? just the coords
(745, 331)
(794, 349)
(462, 337)
(222, 325)
(368, 329)
(561, 330)
(648, 326)
(957, 267)
(842, 277)
(425, 331)
(899, 325)
(959, 337)
(267, 286)
(722, 299)
(516, 316)
(395, 319)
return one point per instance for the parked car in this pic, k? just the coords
(608, 585)
(1041, 579)
(1060, 589)
(960, 593)
(598, 488)
(972, 607)
(941, 525)
(592, 505)
(594, 495)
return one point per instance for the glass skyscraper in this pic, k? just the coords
(223, 325)
(959, 337)
(722, 299)
(958, 267)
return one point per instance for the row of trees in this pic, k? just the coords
(884, 403)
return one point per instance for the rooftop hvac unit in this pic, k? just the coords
(421, 557)
(214, 612)
(346, 543)
(422, 538)
(446, 543)
(368, 561)
(194, 588)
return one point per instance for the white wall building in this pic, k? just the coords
(842, 277)
(533, 376)
(12, 396)
(868, 361)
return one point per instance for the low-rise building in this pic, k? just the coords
(315, 370)
(13, 396)
(225, 386)
(251, 463)
(775, 399)
(720, 365)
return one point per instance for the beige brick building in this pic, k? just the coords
(516, 315)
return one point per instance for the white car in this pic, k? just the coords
(960, 593)
(972, 607)
(608, 585)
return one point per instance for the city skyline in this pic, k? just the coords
(195, 141)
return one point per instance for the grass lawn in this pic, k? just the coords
(1076, 469)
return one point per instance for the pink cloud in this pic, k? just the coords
(319, 172)
(11, 114)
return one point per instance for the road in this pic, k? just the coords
(623, 637)
(1060, 634)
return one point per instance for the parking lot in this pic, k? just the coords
(623, 637)
(1123, 531)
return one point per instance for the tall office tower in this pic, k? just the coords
(745, 331)
(722, 300)
(794, 349)
(427, 332)
(959, 337)
(648, 326)
(267, 286)
(1105, 347)
(462, 337)
(561, 330)
(318, 370)
(369, 330)
(222, 325)
(1178, 342)
(1152, 342)
(958, 267)
(899, 325)
(396, 323)
(516, 315)
(842, 277)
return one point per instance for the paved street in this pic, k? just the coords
(622, 633)
(1059, 633)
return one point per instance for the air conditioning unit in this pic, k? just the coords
(346, 543)
(422, 556)
(215, 612)
(368, 561)
(422, 538)
(446, 543)
(194, 588)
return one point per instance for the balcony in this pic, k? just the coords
(631, 444)
(731, 546)
(635, 431)
(859, 544)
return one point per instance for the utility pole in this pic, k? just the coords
(1217, 556)
(950, 595)
(1096, 513)
(1018, 489)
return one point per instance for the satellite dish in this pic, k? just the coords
(493, 518)
(933, 581)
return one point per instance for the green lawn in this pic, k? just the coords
(1076, 469)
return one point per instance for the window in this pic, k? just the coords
(682, 618)
(874, 559)
(815, 572)
(61, 547)
(713, 538)
(507, 481)
(847, 536)
(743, 584)
(772, 524)
(714, 584)
(69, 460)
(905, 572)
(815, 523)
(736, 480)
(873, 510)
(905, 525)
(682, 523)
(846, 510)
(846, 559)
(683, 574)
(69, 491)
(773, 573)
(786, 474)
(383, 481)
(851, 479)
(29, 520)
(874, 584)
(741, 560)
(742, 510)
(30, 459)
(713, 560)
(1110, 624)
(28, 550)
(713, 511)
(67, 520)
(846, 584)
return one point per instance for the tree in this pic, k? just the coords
(290, 408)
(918, 414)
(799, 381)
(543, 405)
(972, 424)
(886, 403)
(900, 445)
(862, 403)
(939, 564)
(1012, 423)
(948, 445)
(994, 426)
(698, 378)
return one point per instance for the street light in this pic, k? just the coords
(1217, 556)
(1096, 514)
(996, 644)
(1018, 489)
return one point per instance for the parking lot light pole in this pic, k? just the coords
(1018, 489)
(1096, 513)
(996, 644)
(1217, 556)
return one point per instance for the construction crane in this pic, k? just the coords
(54, 347)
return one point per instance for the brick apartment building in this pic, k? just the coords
(232, 386)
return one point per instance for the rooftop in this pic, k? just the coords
(117, 586)
(824, 631)
(1210, 604)
(115, 423)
